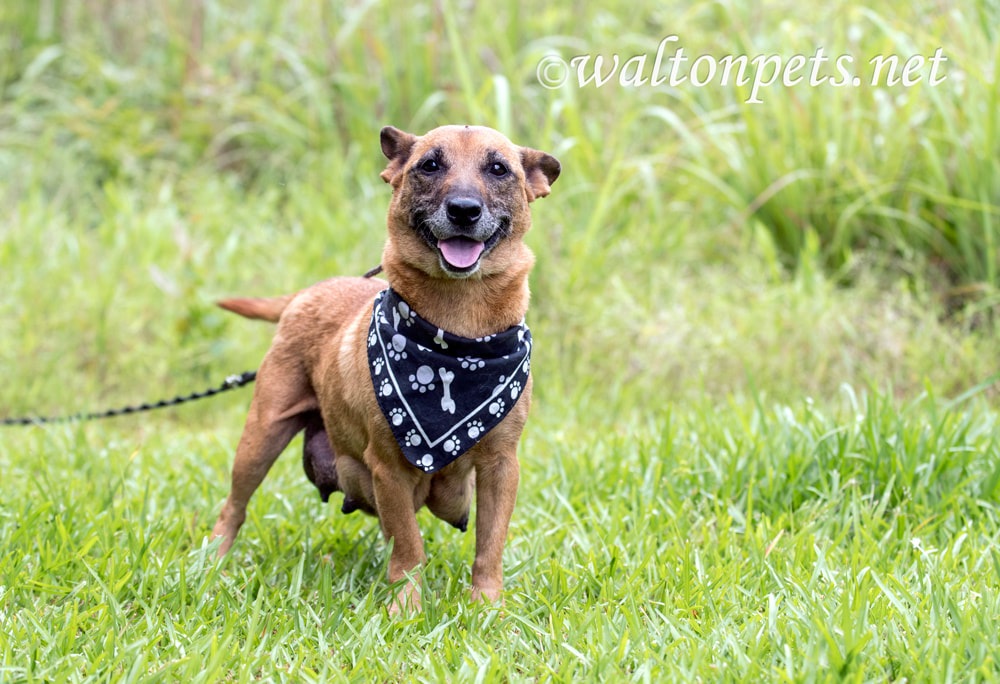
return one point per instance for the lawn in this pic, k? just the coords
(764, 443)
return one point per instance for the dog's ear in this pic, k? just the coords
(540, 172)
(396, 146)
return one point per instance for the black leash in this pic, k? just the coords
(231, 382)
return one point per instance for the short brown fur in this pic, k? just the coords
(316, 377)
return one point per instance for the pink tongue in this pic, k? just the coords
(460, 252)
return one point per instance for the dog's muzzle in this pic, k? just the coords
(463, 230)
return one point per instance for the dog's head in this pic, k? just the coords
(460, 198)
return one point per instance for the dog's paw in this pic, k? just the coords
(406, 601)
(491, 595)
(475, 428)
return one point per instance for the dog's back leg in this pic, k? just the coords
(282, 403)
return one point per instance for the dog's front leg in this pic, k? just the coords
(496, 490)
(394, 487)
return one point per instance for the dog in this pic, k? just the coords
(377, 372)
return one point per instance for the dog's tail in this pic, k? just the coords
(263, 308)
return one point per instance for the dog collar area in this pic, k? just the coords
(441, 393)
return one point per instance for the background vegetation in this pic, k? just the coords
(764, 442)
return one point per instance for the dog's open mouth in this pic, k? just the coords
(461, 252)
(460, 255)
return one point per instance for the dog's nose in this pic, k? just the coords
(464, 211)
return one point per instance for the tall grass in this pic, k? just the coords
(270, 90)
(179, 151)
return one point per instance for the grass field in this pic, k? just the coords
(764, 443)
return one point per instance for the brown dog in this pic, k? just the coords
(455, 256)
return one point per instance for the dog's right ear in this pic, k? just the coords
(396, 146)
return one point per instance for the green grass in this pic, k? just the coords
(787, 544)
(746, 460)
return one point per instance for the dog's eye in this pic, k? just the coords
(430, 166)
(498, 169)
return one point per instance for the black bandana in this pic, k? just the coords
(439, 392)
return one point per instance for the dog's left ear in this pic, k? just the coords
(540, 172)
(396, 146)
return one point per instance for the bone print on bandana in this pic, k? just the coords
(441, 393)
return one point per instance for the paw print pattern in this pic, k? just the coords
(415, 376)
(499, 387)
(472, 364)
(452, 445)
(385, 388)
(475, 428)
(397, 348)
(423, 379)
(404, 313)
